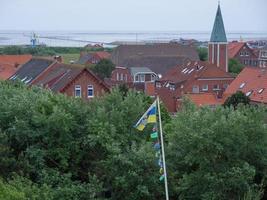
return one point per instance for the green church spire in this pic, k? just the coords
(218, 32)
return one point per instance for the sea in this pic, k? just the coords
(108, 38)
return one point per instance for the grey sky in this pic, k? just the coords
(131, 15)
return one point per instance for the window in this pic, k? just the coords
(172, 87)
(242, 85)
(216, 87)
(153, 78)
(225, 85)
(249, 93)
(78, 91)
(118, 76)
(136, 78)
(90, 91)
(205, 87)
(121, 77)
(142, 78)
(246, 62)
(195, 89)
(158, 85)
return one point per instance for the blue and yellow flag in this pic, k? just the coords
(148, 117)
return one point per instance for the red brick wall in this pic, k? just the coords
(222, 55)
(250, 58)
(210, 84)
(85, 79)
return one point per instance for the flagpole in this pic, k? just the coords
(163, 153)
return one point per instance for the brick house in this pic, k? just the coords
(92, 58)
(194, 78)
(9, 64)
(251, 81)
(72, 80)
(243, 53)
(138, 78)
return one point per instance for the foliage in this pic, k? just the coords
(54, 147)
(235, 66)
(236, 99)
(104, 68)
(203, 53)
(219, 154)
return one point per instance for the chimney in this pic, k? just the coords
(16, 65)
(58, 59)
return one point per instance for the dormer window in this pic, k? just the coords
(242, 85)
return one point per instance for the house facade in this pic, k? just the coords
(243, 53)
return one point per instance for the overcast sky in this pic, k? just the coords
(131, 15)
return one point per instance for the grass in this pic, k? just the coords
(70, 57)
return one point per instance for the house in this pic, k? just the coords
(9, 64)
(263, 57)
(251, 81)
(193, 78)
(157, 57)
(92, 58)
(138, 78)
(72, 80)
(243, 53)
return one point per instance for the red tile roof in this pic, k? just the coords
(103, 54)
(251, 79)
(195, 70)
(234, 48)
(205, 99)
(9, 64)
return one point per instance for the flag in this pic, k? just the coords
(148, 117)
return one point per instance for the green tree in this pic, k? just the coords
(104, 68)
(235, 66)
(202, 53)
(236, 99)
(217, 154)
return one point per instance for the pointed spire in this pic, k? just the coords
(218, 32)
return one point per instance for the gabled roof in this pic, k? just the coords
(62, 74)
(84, 58)
(14, 59)
(218, 33)
(250, 79)
(9, 64)
(102, 54)
(195, 70)
(157, 57)
(32, 69)
(234, 48)
(157, 64)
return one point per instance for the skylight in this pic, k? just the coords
(260, 90)
(24, 78)
(249, 93)
(242, 85)
(184, 70)
(190, 71)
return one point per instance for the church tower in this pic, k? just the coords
(218, 54)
